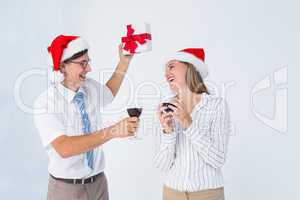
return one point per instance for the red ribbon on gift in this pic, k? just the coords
(131, 41)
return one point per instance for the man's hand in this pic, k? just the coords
(125, 128)
(124, 59)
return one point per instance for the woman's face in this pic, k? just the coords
(75, 71)
(175, 74)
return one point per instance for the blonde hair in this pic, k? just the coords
(194, 80)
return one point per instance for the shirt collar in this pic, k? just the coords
(203, 102)
(67, 93)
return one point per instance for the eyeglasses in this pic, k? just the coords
(83, 63)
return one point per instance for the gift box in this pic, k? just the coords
(137, 39)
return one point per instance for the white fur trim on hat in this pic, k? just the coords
(75, 46)
(200, 66)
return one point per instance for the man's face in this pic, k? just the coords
(75, 71)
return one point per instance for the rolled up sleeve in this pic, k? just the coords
(165, 156)
(48, 126)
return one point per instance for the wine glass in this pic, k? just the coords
(168, 109)
(134, 112)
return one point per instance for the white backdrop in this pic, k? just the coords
(251, 49)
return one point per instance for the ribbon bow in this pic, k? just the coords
(131, 41)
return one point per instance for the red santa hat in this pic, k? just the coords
(195, 56)
(64, 47)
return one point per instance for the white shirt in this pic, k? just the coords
(63, 118)
(191, 159)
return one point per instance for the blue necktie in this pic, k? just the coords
(86, 125)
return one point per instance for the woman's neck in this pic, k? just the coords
(189, 99)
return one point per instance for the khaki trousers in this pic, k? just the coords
(211, 194)
(59, 190)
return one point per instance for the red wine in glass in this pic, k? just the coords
(168, 109)
(134, 112)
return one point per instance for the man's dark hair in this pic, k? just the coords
(76, 55)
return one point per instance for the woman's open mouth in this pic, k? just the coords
(82, 76)
(170, 79)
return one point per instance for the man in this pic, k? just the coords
(71, 130)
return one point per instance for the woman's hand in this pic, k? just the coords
(165, 119)
(124, 59)
(180, 113)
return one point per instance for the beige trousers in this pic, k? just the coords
(211, 194)
(59, 190)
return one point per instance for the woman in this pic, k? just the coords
(194, 134)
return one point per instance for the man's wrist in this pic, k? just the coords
(123, 63)
(109, 132)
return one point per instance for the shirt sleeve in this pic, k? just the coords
(101, 92)
(165, 155)
(106, 95)
(211, 141)
(48, 126)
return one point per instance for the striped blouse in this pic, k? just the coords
(191, 160)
